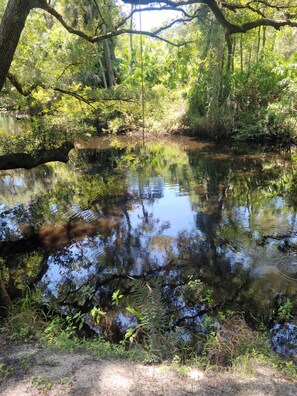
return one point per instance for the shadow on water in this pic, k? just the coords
(183, 215)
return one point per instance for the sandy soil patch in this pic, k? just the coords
(35, 371)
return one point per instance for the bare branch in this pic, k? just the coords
(29, 161)
(221, 18)
(96, 39)
(175, 5)
(19, 87)
(169, 25)
(269, 5)
(74, 94)
(137, 10)
(66, 68)
(235, 7)
(26, 92)
(262, 22)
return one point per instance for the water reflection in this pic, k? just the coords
(172, 212)
(13, 123)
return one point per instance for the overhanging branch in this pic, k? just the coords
(96, 39)
(217, 10)
(29, 161)
(26, 92)
(19, 87)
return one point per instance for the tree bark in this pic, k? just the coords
(11, 27)
(108, 62)
(28, 161)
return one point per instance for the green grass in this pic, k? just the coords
(42, 383)
(233, 347)
(4, 372)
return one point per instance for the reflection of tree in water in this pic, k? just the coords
(230, 196)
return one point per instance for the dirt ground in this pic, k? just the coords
(34, 371)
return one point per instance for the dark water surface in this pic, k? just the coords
(178, 215)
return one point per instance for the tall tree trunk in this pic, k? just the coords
(103, 74)
(11, 27)
(108, 62)
(226, 80)
(215, 84)
(241, 54)
(264, 38)
(259, 42)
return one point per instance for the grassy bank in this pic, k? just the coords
(231, 347)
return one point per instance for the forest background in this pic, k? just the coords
(219, 69)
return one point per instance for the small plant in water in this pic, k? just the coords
(285, 310)
(116, 296)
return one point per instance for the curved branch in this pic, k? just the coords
(231, 28)
(67, 67)
(16, 12)
(261, 22)
(96, 39)
(235, 7)
(73, 94)
(19, 87)
(169, 25)
(137, 10)
(26, 92)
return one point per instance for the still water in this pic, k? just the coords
(13, 123)
(208, 227)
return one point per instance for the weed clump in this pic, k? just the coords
(235, 338)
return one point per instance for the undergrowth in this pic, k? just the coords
(232, 347)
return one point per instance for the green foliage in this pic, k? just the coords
(42, 383)
(234, 345)
(97, 313)
(116, 296)
(47, 132)
(200, 87)
(285, 310)
(154, 325)
(25, 317)
(4, 372)
(233, 99)
(26, 361)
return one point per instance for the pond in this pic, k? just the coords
(13, 122)
(204, 227)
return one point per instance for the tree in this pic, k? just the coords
(261, 13)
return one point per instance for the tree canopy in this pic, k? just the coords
(258, 13)
(211, 54)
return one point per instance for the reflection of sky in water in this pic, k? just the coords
(81, 258)
(219, 232)
(172, 210)
(161, 208)
(171, 206)
(15, 181)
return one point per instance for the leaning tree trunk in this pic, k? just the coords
(11, 27)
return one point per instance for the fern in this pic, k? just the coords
(149, 307)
